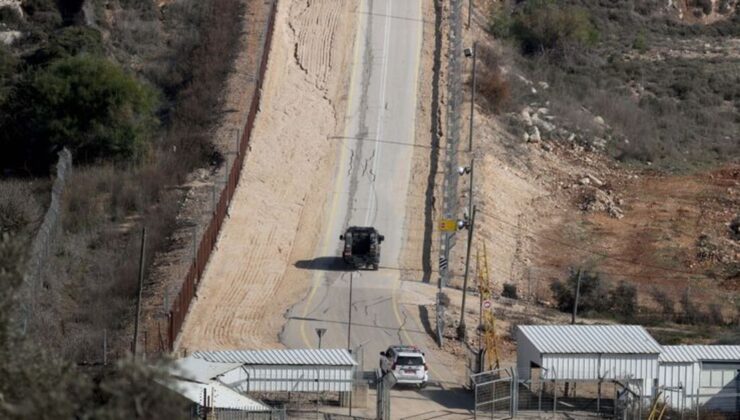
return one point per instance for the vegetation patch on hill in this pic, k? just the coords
(668, 90)
(132, 89)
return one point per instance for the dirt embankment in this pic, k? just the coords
(250, 279)
(548, 203)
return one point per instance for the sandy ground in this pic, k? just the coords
(250, 281)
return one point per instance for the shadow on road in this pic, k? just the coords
(354, 324)
(453, 399)
(424, 317)
(324, 264)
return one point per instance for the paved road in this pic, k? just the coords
(370, 189)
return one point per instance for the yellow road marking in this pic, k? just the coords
(340, 170)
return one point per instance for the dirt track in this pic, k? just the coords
(250, 280)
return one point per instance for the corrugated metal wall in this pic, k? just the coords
(716, 384)
(682, 378)
(290, 378)
(525, 354)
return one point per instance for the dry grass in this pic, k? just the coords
(495, 89)
(20, 210)
(90, 285)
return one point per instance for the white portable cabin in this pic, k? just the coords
(281, 370)
(707, 375)
(589, 353)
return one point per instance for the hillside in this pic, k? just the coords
(606, 136)
(130, 88)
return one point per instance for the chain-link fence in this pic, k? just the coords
(198, 412)
(501, 394)
(43, 242)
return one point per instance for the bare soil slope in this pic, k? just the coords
(250, 279)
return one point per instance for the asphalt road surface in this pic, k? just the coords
(370, 189)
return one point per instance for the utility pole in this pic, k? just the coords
(461, 330)
(349, 320)
(578, 294)
(472, 97)
(349, 332)
(141, 284)
(470, 11)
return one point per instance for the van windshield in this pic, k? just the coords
(409, 361)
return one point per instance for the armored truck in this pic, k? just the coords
(361, 247)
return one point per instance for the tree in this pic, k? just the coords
(623, 300)
(85, 103)
(547, 25)
(509, 291)
(593, 297)
(665, 302)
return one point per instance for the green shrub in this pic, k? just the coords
(667, 305)
(85, 103)
(705, 5)
(10, 18)
(593, 296)
(500, 22)
(8, 64)
(691, 313)
(43, 13)
(541, 25)
(509, 291)
(640, 42)
(623, 300)
(69, 41)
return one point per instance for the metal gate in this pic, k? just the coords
(495, 393)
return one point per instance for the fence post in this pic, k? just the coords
(141, 286)
(697, 403)
(512, 395)
(475, 392)
(105, 346)
(539, 399)
(238, 143)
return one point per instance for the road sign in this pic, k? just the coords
(442, 263)
(448, 225)
(486, 304)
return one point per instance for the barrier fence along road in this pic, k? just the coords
(181, 304)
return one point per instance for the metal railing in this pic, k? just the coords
(501, 393)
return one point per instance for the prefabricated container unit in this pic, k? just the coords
(588, 353)
(704, 375)
(289, 370)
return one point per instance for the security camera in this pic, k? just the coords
(461, 224)
(468, 52)
(462, 170)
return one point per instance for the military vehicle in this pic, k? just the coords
(361, 247)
